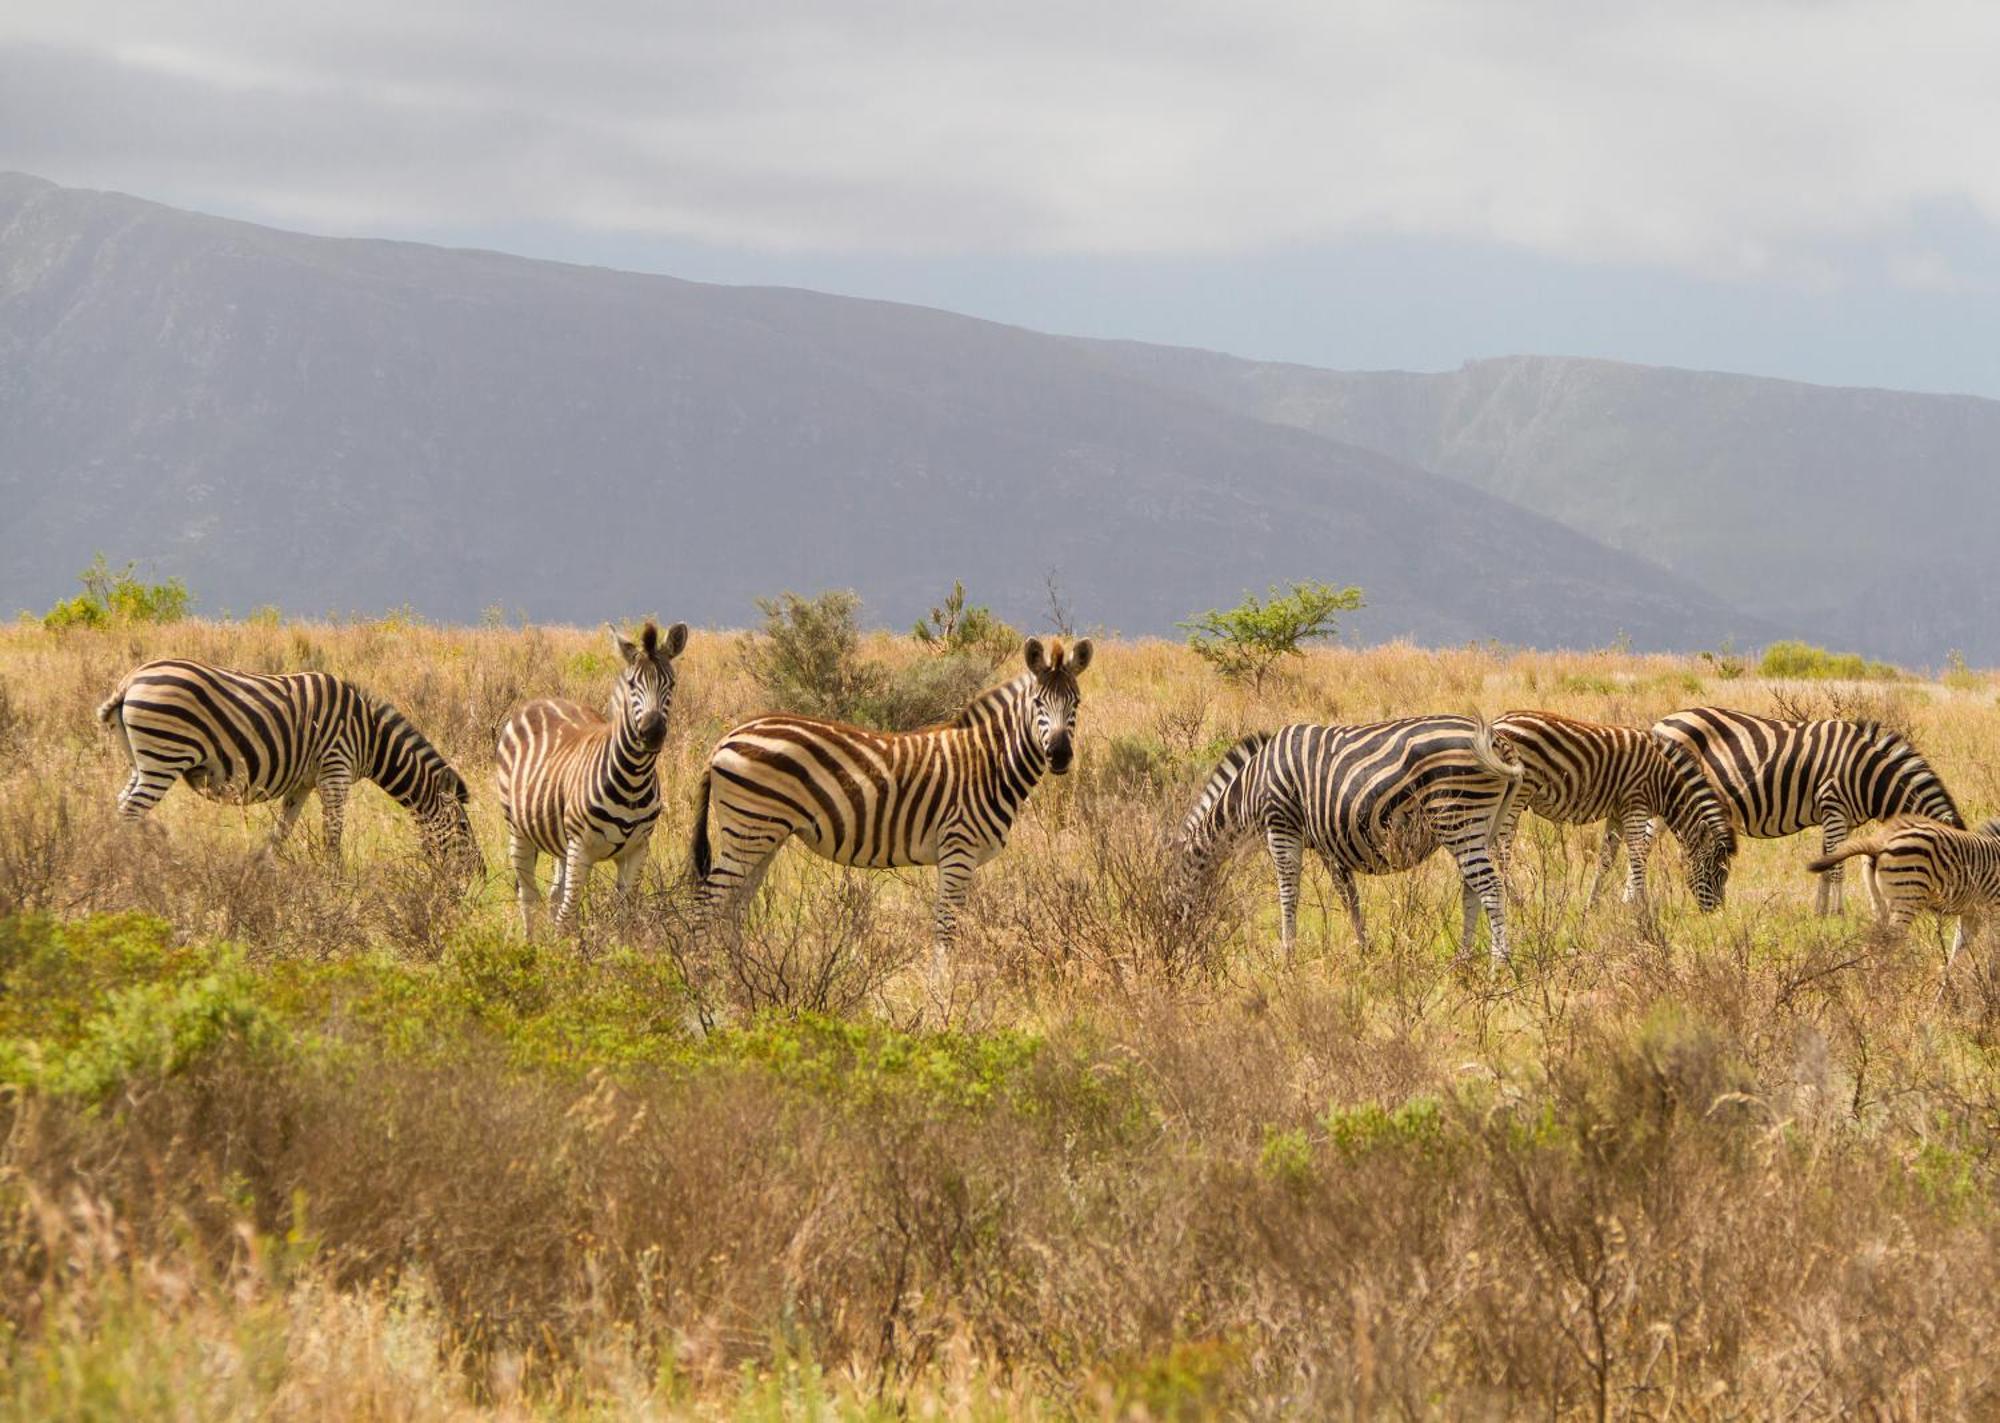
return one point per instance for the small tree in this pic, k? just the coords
(1248, 640)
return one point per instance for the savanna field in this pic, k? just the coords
(280, 1137)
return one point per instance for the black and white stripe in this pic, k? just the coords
(1914, 864)
(945, 796)
(246, 737)
(1373, 799)
(1777, 778)
(1583, 772)
(583, 787)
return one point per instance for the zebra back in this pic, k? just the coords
(1775, 777)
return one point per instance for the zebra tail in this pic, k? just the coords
(1861, 845)
(1512, 772)
(698, 851)
(112, 715)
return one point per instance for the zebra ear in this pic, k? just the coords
(1079, 655)
(1036, 656)
(627, 649)
(675, 642)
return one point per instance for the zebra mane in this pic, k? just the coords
(1711, 812)
(392, 727)
(992, 699)
(1990, 827)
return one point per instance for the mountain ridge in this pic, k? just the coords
(338, 423)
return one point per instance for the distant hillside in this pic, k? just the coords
(335, 425)
(1861, 517)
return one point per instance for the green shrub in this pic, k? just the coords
(953, 629)
(113, 597)
(1245, 642)
(808, 657)
(1803, 660)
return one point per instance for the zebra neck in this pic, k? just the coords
(1001, 726)
(393, 754)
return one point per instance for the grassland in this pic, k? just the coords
(279, 1137)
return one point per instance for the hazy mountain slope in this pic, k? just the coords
(340, 424)
(1862, 516)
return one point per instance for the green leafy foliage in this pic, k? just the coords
(115, 597)
(955, 629)
(807, 659)
(1803, 660)
(1245, 642)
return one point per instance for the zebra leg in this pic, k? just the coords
(143, 789)
(288, 815)
(521, 850)
(1877, 900)
(732, 878)
(955, 866)
(1481, 891)
(575, 871)
(1833, 830)
(1638, 833)
(1350, 896)
(1287, 854)
(1607, 851)
(630, 860)
(1968, 931)
(333, 787)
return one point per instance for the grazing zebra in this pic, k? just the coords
(581, 787)
(246, 737)
(1581, 772)
(1371, 799)
(1777, 778)
(945, 796)
(1916, 863)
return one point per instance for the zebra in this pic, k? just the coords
(581, 787)
(248, 737)
(945, 795)
(1777, 778)
(1581, 772)
(1915, 863)
(1371, 799)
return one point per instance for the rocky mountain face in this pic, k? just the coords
(1862, 518)
(340, 425)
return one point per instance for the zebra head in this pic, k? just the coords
(646, 687)
(1707, 853)
(1052, 695)
(446, 828)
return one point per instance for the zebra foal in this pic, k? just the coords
(945, 795)
(1914, 863)
(583, 787)
(1582, 772)
(249, 737)
(1777, 778)
(1372, 799)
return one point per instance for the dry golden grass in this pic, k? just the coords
(1726, 1166)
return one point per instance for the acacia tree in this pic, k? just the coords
(1245, 642)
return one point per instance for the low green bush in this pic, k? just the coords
(1803, 660)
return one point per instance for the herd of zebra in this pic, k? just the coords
(583, 786)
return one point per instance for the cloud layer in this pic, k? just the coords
(1736, 139)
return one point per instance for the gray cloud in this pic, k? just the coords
(1761, 138)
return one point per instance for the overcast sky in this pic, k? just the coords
(1807, 189)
